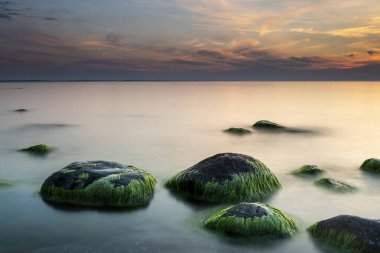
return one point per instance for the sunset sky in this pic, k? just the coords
(190, 39)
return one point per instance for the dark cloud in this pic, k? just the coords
(351, 55)
(6, 12)
(372, 52)
(5, 16)
(114, 38)
(51, 19)
(188, 62)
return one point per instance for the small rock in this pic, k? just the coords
(39, 149)
(335, 185)
(308, 170)
(237, 131)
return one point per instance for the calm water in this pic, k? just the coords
(165, 128)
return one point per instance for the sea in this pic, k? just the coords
(166, 127)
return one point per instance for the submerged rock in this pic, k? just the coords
(308, 170)
(335, 185)
(237, 131)
(371, 165)
(21, 110)
(349, 233)
(225, 177)
(99, 183)
(252, 219)
(4, 184)
(267, 125)
(38, 149)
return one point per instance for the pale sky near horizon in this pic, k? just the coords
(190, 39)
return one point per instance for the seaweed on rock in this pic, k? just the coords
(308, 170)
(252, 219)
(99, 183)
(237, 131)
(349, 233)
(225, 177)
(335, 185)
(371, 165)
(38, 149)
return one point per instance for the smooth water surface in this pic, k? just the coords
(167, 127)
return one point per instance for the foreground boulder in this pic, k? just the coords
(225, 177)
(371, 165)
(237, 131)
(252, 219)
(269, 126)
(38, 149)
(334, 185)
(308, 170)
(99, 183)
(350, 233)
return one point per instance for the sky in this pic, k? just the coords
(190, 40)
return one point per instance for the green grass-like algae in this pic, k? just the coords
(242, 187)
(308, 170)
(274, 223)
(341, 239)
(335, 185)
(103, 192)
(237, 131)
(371, 165)
(38, 149)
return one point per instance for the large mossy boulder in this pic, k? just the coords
(308, 170)
(371, 165)
(237, 131)
(335, 185)
(99, 183)
(252, 219)
(39, 149)
(225, 177)
(348, 233)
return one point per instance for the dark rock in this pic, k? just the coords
(308, 170)
(252, 219)
(350, 233)
(371, 165)
(21, 110)
(225, 177)
(38, 149)
(266, 125)
(237, 131)
(99, 183)
(335, 185)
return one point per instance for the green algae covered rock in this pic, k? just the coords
(371, 165)
(269, 126)
(99, 183)
(4, 184)
(225, 177)
(38, 149)
(252, 219)
(350, 234)
(334, 185)
(237, 131)
(308, 170)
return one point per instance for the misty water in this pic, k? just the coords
(165, 128)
